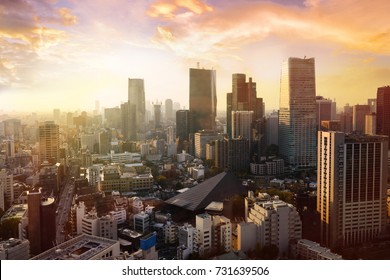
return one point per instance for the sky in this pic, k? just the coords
(68, 53)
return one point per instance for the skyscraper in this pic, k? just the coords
(203, 99)
(136, 107)
(359, 117)
(351, 187)
(157, 115)
(383, 111)
(243, 98)
(49, 142)
(297, 114)
(242, 124)
(324, 110)
(169, 110)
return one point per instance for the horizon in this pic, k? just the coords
(71, 53)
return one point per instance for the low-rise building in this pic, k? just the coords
(15, 249)
(310, 250)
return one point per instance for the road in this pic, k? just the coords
(63, 210)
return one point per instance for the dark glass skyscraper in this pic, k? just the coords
(383, 111)
(203, 99)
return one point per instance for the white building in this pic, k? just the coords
(186, 234)
(105, 226)
(119, 215)
(15, 249)
(80, 214)
(246, 236)
(170, 233)
(203, 236)
(278, 224)
(222, 234)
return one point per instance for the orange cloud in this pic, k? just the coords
(351, 25)
(172, 8)
(66, 17)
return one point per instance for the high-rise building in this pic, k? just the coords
(41, 222)
(297, 114)
(203, 99)
(183, 122)
(243, 98)
(351, 187)
(346, 119)
(372, 103)
(112, 117)
(49, 142)
(272, 129)
(6, 189)
(383, 111)
(136, 107)
(359, 117)
(242, 124)
(203, 235)
(157, 115)
(324, 110)
(169, 110)
(370, 125)
(232, 154)
(201, 139)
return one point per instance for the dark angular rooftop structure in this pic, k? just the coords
(217, 188)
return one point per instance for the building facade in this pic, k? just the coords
(297, 113)
(383, 111)
(351, 187)
(49, 142)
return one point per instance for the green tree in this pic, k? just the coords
(9, 228)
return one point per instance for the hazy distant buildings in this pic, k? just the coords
(157, 115)
(169, 116)
(346, 119)
(232, 154)
(359, 117)
(325, 110)
(351, 187)
(370, 124)
(383, 111)
(272, 129)
(203, 99)
(49, 142)
(136, 107)
(112, 117)
(297, 114)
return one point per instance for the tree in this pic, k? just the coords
(9, 228)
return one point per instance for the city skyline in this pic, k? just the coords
(67, 54)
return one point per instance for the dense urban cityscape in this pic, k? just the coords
(138, 182)
(110, 150)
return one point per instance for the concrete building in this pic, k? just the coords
(201, 139)
(169, 116)
(297, 113)
(105, 226)
(157, 115)
(15, 249)
(6, 189)
(271, 167)
(203, 236)
(246, 236)
(272, 129)
(203, 99)
(232, 154)
(309, 250)
(186, 235)
(221, 235)
(331, 125)
(82, 247)
(170, 233)
(351, 187)
(141, 222)
(278, 224)
(324, 110)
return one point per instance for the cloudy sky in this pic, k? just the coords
(68, 53)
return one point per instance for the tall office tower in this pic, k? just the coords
(324, 110)
(10, 148)
(157, 115)
(297, 114)
(370, 125)
(34, 215)
(229, 114)
(242, 124)
(232, 154)
(359, 117)
(136, 107)
(203, 99)
(244, 98)
(112, 117)
(346, 119)
(183, 129)
(372, 103)
(351, 187)
(169, 110)
(49, 142)
(104, 142)
(272, 129)
(383, 111)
